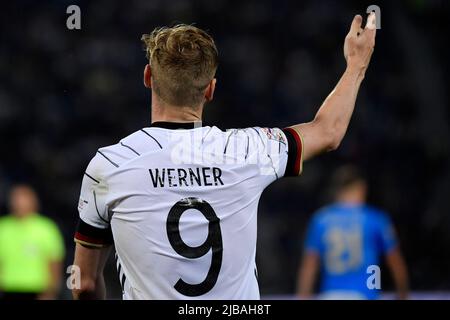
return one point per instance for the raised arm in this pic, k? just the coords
(329, 126)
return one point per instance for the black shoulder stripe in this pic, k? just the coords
(273, 167)
(228, 141)
(203, 138)
(148, 134)
(96, 208)
(130, 148)
(91, 177)
(259, 135)
(112, 162)
(248, 145)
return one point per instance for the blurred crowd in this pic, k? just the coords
(64, 93)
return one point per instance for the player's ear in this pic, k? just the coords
(209, 92)
(148, 76)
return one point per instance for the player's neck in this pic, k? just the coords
(168, 113)
(351, 203)
(350, 198)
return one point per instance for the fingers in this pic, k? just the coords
(371, 26)
(371, 23)
(356, 25)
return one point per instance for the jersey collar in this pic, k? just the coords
(176, 125)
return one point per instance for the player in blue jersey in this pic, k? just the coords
(344, 240)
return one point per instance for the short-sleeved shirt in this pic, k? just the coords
(181, 201)
(27, 246)
(349, 239)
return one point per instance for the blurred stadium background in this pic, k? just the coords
(64, 93)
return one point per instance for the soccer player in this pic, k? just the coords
(344, 240)
(180, 199)
(31, 250)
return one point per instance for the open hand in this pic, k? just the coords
(360, 43)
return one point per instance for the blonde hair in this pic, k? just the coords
(183, 61)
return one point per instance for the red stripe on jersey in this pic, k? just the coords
(88, 239)
(299, 145)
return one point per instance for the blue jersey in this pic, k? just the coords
(349, 238)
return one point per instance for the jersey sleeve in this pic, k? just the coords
(386, 234)
(313, 241)
(93, 229)
(277, 152)
(294, 165)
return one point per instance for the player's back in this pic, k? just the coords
(182, 205)
(349, 239)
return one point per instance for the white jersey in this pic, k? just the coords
(181, 201)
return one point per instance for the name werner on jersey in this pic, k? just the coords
(186, 177)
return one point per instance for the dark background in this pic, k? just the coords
(64, 93)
